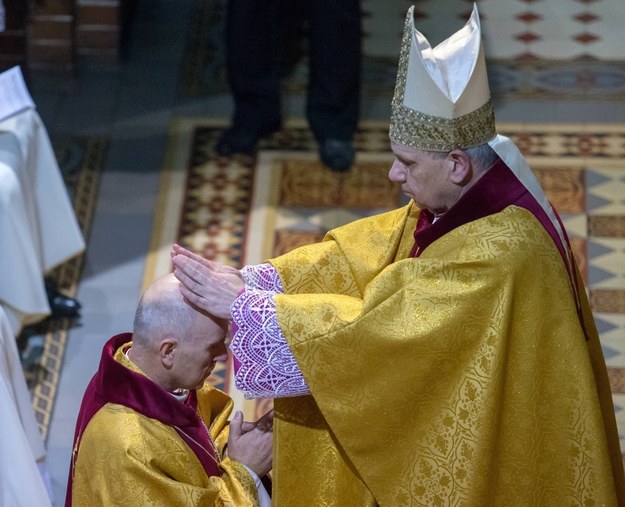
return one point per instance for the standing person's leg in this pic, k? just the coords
(291, 35)
(253, 73)
(334, 32)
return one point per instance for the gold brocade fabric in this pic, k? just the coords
(462, 377)
(127, 459)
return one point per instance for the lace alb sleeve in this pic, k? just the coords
(262, 277)
(264, 364)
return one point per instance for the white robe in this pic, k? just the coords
(38, 229)
(21, 445)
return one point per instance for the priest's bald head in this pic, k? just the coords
(175, 343)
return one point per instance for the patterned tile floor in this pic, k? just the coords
(534, 48)
(551, 30)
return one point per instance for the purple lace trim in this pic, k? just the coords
(266, 366)
(262, 277)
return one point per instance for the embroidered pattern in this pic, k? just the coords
(262, 277)
(267, 366)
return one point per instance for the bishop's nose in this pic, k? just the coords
(397, 172)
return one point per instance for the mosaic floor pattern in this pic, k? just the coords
(241, 214)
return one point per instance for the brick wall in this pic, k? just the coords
(98, 27)
(51, 35)
(62, 34)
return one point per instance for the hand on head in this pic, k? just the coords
(252, 448)
(207, 284)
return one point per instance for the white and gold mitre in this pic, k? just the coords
(442, 100)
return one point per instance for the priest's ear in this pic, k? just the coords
(167, 351)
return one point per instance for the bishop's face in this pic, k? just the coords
(424, 177)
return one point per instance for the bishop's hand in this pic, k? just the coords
(208, 285)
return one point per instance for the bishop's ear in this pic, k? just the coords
(167, 352)
(461, 169)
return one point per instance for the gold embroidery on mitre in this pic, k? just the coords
(426, 132)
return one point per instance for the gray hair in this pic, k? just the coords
(482, 157)
(156, 318)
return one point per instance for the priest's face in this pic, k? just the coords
(199, 351)
(424, 177)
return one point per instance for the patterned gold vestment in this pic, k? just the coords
(461, 377)
(127, 459)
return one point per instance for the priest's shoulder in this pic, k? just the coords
(386, 220)
(119, 428)
(513, 233)
(516, 231)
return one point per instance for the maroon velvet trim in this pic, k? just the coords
(114, 383)
(528, 202)
(425, 220)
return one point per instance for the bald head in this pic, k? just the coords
(162, 311)
(175, 343)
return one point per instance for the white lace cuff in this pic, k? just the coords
(262, 276)
(264, 364)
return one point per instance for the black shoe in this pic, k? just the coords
(337, 154)
(243, 140)
(60, 304)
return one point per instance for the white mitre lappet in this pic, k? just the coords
(442, 101)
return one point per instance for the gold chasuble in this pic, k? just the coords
(125, 458)
(464, 376)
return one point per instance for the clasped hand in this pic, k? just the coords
(208, 285)
(251, 443)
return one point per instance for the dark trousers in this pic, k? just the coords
(259, 41)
